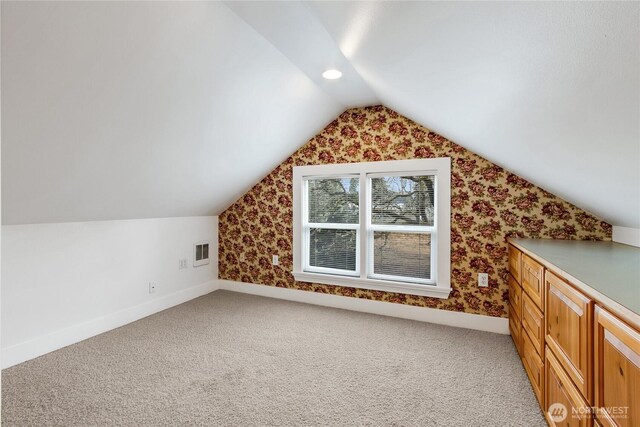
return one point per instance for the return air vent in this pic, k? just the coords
(200, 254)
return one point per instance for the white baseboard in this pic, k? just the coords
(33, 348)
(626, 235)
(443, 317)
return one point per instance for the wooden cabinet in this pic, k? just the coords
(533, 323)
(564, 405)
(515, 297)
(580, 348)
(526, 324)
(569, 332)
(515, 263)
(532, 280)
(534, 367)
(617, 371)
(515, 328)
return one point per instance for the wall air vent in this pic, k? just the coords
(200, 253)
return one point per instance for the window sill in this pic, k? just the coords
(374, 284)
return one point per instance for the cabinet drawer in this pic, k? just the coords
(533, 323)
(569, 334)
(564, 405)
(616, 371)
(515, 296)
(534, 367)
(515, 263)
(532, 280)
(515, 328)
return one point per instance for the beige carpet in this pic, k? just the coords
(241, 360)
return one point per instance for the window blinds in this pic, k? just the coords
(333, 217)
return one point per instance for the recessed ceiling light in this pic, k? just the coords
(332, 74)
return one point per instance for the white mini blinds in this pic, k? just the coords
(332, 224)
(402, 221)
(378, 225)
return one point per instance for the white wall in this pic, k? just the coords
(64, 282)
(626, 235)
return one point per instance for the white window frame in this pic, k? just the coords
(438, 287)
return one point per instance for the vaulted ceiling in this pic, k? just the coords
(118, 110)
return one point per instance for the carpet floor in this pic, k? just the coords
(229, 359)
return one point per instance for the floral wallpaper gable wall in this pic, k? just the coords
(488, 204)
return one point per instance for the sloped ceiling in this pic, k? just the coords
(131, 110)
(116, 110)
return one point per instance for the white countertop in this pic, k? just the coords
(612, 269)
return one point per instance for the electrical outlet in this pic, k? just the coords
(275, 260)
(182, 264)
(152, 287)
(483, 280)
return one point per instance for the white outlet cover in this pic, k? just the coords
(483, 280)
(275, 259)
(152, 287)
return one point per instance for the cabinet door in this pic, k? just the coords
(515, 328)
(569, 333)
(564, 404)
(617, 371)
(515, 296)
(532, 280)
(534, 367)
(515, 263)
(533, 323)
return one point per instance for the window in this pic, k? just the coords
(378, 225)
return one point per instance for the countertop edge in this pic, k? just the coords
(616, 308)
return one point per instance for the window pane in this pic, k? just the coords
(402, 254)
(334, 200)
(332, 248)
(403, 200)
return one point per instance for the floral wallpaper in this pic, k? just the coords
(488, 204)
